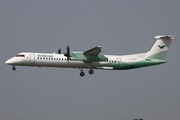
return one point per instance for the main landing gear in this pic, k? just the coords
(13, 68)
(82, 74)
(91, 71)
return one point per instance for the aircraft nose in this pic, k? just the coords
(9, 62)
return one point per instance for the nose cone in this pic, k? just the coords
(9, 62)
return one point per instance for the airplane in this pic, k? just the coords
(94, 59)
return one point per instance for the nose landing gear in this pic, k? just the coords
(13, 68)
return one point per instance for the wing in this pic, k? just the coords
(94, 51)
(89, 55)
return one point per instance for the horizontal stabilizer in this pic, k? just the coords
(170, 37)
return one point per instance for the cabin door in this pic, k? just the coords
(32, 58)
(118, 62)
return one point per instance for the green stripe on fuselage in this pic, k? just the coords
(159, 56)
(132, 65)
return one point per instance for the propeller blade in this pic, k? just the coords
(68, 49)
(59, 51)
(68, 53)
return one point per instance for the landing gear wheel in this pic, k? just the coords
(82, 74)
(13, 68)
(91, 71)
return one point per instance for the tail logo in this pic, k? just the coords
(161, 47)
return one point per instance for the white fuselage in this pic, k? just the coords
(51, 60)
(59, 60)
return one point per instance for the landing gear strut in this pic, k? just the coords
(91, 71)
(13, 68)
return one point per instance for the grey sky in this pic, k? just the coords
(121, 27)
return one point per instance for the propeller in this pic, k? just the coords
(68, 53)
(59, 51)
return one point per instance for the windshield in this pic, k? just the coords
(19, 55)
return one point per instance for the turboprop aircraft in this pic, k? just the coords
(94, 59)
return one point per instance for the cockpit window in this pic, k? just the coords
(20, 55)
